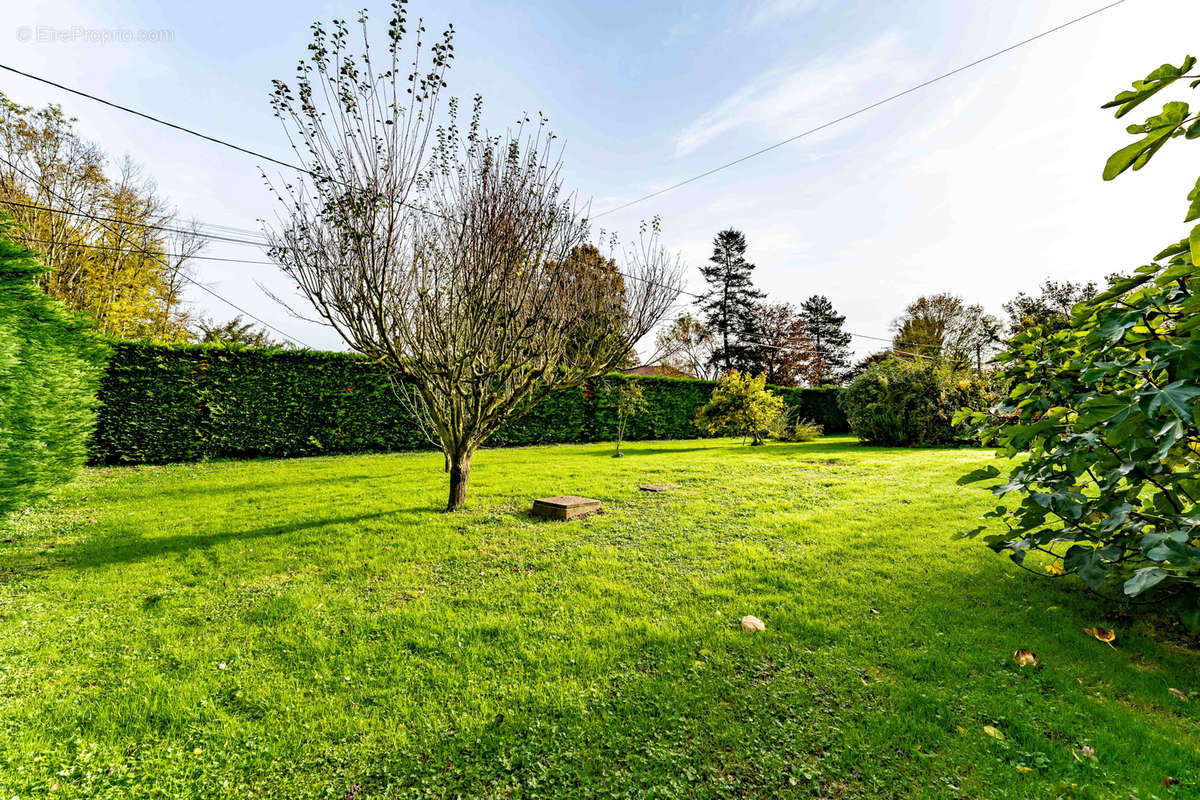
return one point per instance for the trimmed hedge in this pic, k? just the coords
(50, 363)
(165, 403)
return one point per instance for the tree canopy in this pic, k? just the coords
(830, 342)
(729, 304)
(102, 238)
(453, 258)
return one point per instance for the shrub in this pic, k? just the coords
(912, 403)
(1104, 416)
(49, 366)
(790, 426)
(741, 405)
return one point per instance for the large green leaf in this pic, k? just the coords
(1179, 397)
(1194, 198)
(1143, 90)
(1143, 579)
(1087, 564)
(1124, 158)
(1194, 242)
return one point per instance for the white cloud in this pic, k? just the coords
(783, 101)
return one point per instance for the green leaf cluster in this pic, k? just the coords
(1103, 417)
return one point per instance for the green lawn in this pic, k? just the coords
(317, 628)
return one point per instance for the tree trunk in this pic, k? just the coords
(460, 471)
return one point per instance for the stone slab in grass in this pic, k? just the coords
(567, 506)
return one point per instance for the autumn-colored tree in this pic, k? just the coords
(687, 345)
(101, 236)
(782, 348)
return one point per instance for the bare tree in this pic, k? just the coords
(459, 266)
(687, 345)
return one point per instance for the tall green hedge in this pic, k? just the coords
(164, 403)
(50, 365)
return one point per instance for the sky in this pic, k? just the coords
(983, 184)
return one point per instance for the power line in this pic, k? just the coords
(153, 118)
(88, 245)
(769, 148)
(191, 131)
(164, 262)
(859, 111)
(101, 218)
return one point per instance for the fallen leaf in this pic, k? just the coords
(1103, 634)
(1088, 752)
(1024, 769)
(1178, 694)
(1169, 781)
(1025, 658)
(752, 624)
(993, 732)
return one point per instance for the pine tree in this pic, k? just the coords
(831, 343)
(729, 305)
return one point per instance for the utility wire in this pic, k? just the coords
(727, 165)
(99, 218)
(166, 264)
(859, 111)
(185, 129)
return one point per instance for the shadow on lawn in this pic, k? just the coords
(117, 548)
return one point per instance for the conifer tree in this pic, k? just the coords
(830, 343)
(729, 305)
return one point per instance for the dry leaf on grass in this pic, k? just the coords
(1103, 634)
(1178, 694)
(993, 732)
(1025, 658)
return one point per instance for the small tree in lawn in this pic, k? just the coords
(629, 400)
(740, 404)
(451, 258)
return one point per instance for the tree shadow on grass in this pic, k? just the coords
(118, 548)
(249, 488)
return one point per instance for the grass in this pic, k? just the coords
(316, 628)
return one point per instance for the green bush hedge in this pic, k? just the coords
(164, 403)
(50, 364)
(909, 403)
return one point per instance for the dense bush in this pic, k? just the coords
(912, 403)
(49, 367)
(187, 402)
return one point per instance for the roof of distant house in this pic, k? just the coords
(657, 371)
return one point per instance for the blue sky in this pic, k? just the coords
(983, 184)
